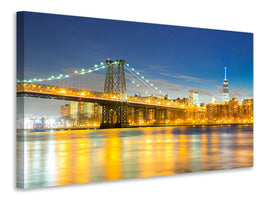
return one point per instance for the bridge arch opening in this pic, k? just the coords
(113, 116)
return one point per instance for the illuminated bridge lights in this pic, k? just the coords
(144, 84)
(63, 91)
(75, 73)
(136, 78)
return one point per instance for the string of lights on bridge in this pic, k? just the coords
(134, 76)
(144, 84)
(61, 76)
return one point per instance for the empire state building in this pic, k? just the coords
(225, 96)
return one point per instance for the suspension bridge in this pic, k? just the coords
(118, 108)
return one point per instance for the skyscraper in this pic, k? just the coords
(84, 112)
(225, 96)
(74, 110)
(191, 98)
(65, 110)
(196, 98)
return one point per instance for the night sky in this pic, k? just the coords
(176, 58)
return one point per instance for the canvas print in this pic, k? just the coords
(101, 100)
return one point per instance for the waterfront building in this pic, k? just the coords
(182, 101)
(86, 109)
(202, 104)
(225, 96)
(191, 98)
(230, 112)
(85, 113)
(160, 96)
(248, 108)
(96, 114)
(196, 98)
(74, 110)
(65, 110)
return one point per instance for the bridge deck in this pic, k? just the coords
(71, 94)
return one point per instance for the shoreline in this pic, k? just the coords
(137, 126)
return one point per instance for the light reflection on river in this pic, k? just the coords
(81, 156)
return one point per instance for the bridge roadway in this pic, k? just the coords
(117, 112)
(70, 94)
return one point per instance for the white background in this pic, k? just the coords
(238, 15)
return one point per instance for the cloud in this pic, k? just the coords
(173, 89)
(240, 95)
(162, 85)
(219, 88)
(203, 92)
(166, 85)
(189, 78)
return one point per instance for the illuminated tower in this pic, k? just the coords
(225, 96)
(114, 113)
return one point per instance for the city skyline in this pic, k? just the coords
(176, 58)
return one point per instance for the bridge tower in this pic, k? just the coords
(114, 114)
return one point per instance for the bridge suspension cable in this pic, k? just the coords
(61, 76)
(131, 74)
(138, 78)
(135, 82)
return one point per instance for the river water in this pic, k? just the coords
(81, 156)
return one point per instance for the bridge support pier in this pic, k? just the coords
(122, 115)
(114, 116)
(136, 116)
(156, 116)
(146, 115)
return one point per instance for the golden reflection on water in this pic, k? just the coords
(113, 149)
(64, 161)
(68, 157)
(82, 159)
